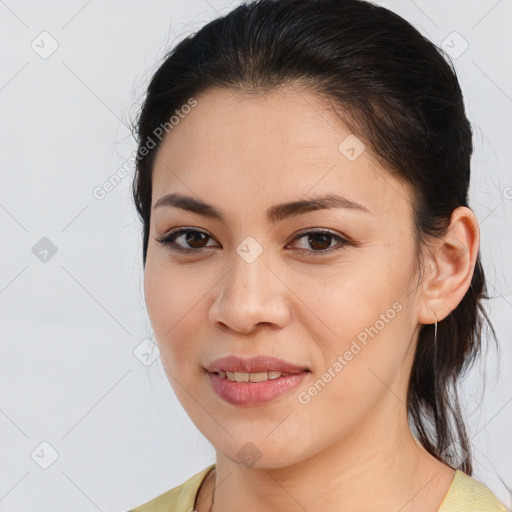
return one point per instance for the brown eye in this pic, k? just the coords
(196, 239)
(192, 240)
(320, 242)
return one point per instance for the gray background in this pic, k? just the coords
(74, 366)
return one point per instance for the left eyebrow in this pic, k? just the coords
(275, 213)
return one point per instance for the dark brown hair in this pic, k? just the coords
(397, 92)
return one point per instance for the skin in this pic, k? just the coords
(350, 447)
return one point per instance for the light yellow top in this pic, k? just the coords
(464, 495)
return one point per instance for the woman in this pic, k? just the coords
(312, 269)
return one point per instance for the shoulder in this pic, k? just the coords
(467, 494)
(179, 499)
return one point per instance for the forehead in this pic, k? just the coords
(266, 148)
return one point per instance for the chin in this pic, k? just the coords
(259, 453)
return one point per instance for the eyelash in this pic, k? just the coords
(169, 241)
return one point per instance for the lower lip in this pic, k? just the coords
(253, 393)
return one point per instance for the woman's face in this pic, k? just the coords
(341, 306)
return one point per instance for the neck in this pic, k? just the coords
(373, 469)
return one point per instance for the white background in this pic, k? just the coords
(70, 325)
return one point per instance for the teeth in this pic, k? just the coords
(258, 376)
(252, 377)
(241, 377)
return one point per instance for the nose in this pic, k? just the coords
(250, 295)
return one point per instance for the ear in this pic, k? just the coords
(449, 267)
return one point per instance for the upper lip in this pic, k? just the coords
(254, 364)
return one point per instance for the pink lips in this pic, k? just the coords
(253, 393)
(253, 364)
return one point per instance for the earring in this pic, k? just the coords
(435, 346)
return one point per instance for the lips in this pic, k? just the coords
(254, 381)
(255, 364)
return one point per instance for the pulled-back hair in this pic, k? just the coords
(396, 91)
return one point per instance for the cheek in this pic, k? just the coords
(352, 297)
(174, 303)
(369, 318)
(173, 300)
(362, 364)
